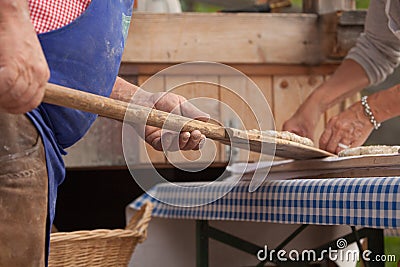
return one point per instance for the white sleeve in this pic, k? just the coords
(377, 49)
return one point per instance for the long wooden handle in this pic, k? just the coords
(122, 111)
(119, 110)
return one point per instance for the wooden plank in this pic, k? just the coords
(349, 26)
(362, 166)
(88, 153)
(267, 145)
(228, 4)
(143, 68)
(146, 151)
(352, 17)
(345, 40)
(360, 173)
(235, 113)
(289, 93)
(264, 83)
(247, 108)
(168, 38)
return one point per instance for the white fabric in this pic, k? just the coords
(378, 48)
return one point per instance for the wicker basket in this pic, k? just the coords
(100, 247)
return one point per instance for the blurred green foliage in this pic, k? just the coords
(204, 7)
(297, 3)
(392, 248)
(199, 6)
(362, 4)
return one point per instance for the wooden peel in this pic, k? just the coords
(119, 110)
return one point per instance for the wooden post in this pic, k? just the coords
(310, 6)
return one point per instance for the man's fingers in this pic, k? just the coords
(167, 140)
(183, 139)
(21, 93)
(170, 141)
(175, 141)
(201, 143)
(194, 141)
(154, 139)
(156, 144)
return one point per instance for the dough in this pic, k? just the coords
(285, 135)
(369, 150)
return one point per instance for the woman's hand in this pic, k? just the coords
(23, 67)
(305, 120)
(348, 79)
(350, 128)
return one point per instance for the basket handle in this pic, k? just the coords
(140, 220)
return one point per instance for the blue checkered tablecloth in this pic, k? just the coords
(370, 202)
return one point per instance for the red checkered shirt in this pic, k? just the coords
(48, 15)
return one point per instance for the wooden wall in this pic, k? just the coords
(286, 55)
(284, 88)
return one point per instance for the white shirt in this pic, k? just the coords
(378, 49)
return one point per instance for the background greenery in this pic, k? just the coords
(205, 6)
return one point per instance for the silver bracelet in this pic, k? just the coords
(368, 113)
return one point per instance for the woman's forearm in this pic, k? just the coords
(348, 79)
(385, 104)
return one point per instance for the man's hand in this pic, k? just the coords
(23, 67)
(162, 139)
(170, 141)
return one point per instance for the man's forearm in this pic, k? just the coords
(121, 91)
(127, 92)
(14, 10)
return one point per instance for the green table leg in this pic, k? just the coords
(201, 243)
(376, 246)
